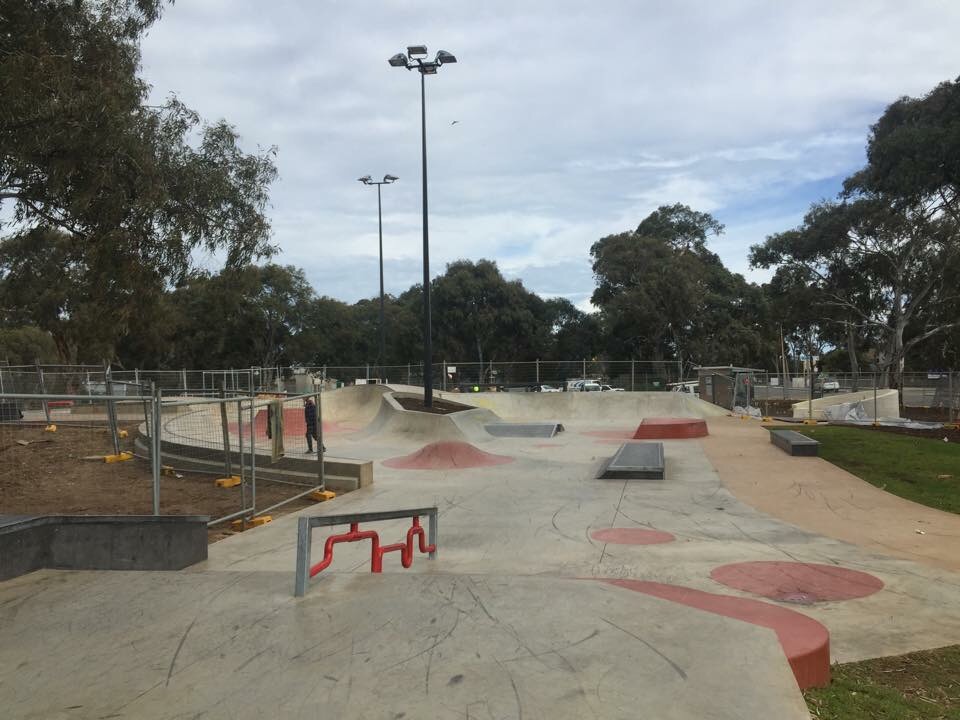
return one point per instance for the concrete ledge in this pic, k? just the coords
(794, 443)
(635, 461)
(100, 542)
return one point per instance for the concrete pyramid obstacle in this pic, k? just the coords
(447, 455)
(669, 428)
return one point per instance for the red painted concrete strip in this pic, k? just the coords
(294, 425)
(805, 642)
(802, 583)
(632, 536)
(670, 429)
(447, 455)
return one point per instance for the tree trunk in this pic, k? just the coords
(852, 352)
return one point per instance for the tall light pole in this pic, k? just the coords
(367, 180)
(415, 59)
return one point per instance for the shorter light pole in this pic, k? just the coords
(387, 180)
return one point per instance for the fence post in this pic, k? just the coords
(111, 408)
(409, 379)
(950, 392)
(156, 446)
(443, 375)
(253, 456)
(584, 374)
(303, 557)
(633, 364)
(537, 361)
(874, 398)
(320, 448)
(225, 430)
(43, 391)
(243, 477)
(183, 374)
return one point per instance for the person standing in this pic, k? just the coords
(310, 419)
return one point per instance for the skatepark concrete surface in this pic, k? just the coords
(516, 617)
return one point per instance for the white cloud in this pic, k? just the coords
(574, 121)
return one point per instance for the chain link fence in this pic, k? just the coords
(217, 453)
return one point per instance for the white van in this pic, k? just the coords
(583, 386)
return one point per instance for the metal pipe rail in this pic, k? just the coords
(84, 398)
(305, 526)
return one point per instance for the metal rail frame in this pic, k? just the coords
(305, 527)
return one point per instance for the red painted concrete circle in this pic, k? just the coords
(801, 583)
(632, 536)
(670, 429)
(805, 642)
(447, 455)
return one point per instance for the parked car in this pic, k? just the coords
(545, 388)
(608, 388)
(689, 387)
(586, 386)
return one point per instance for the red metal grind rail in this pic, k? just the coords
(305, 571)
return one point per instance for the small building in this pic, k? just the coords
(727, 385)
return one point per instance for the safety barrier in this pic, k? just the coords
(427, 545)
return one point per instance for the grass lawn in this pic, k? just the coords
(915, 468)
(919, 686)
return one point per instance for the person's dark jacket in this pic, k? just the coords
(310, 415)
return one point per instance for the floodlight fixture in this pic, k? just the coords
(417, 51)
(445, 58)
(366, 179)
(398, 60)
(390, 178)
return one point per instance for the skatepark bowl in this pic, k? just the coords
(717, 587)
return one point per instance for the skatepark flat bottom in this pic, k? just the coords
(361, 646)
(516, 616)
(524, 430)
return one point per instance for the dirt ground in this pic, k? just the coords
(50, 476)
(952, 435)
(928, 414)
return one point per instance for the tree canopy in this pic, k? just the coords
(662, 294)
(131, 189)
(107, 196)
(881, 261)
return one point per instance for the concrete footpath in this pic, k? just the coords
(818, 496)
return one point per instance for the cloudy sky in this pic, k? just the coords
(574, 120)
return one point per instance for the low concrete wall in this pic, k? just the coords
(888, 404)
(343, 475)
(95, 542)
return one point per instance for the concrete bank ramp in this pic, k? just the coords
(573, 406)
(355, 406)
(392, 420)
